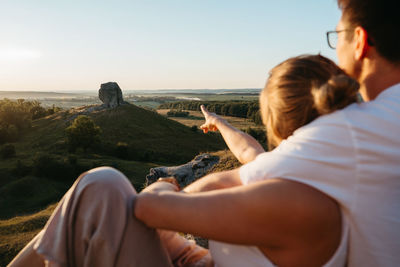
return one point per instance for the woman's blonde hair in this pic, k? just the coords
(299, 90)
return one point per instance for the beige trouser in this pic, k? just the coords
(93, 225)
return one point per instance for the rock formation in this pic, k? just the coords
(185, 174)
(111, 95)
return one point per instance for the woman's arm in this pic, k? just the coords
(243, 146)
(214, 181)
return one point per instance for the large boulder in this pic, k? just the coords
(184, 174)
(111, 95)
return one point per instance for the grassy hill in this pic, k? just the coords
(43, 168)
(16, 232)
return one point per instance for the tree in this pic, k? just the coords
(83, 133)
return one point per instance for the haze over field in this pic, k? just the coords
(76, 45)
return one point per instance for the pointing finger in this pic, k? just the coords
(204, 110)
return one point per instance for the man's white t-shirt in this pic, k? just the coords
(352, 155)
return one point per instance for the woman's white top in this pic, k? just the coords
(352, 155)
(229, 255)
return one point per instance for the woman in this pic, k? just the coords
(267, 220)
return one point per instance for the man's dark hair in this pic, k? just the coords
(381, 20)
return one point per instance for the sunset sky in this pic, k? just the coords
(52, 45)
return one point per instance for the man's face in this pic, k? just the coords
(345, 49)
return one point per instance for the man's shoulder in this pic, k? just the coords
(363, 115)
(333, 125)
(359, 124)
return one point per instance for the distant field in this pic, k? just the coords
(209, 97)
(150, 99)
(197, 118)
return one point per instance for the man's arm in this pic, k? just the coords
(271, 214)
(243, 146)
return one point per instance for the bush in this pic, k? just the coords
(258, 134)
(122, 150)
(45, 165)
(16, 116)
(8, 134)
(7, 151)
(177, 113)
(241, 109)
(38, 112)
(193, 128)
(21, 169)
(72, 159)
(83, 133)
(20, 188)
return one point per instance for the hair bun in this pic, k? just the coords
(338, 92)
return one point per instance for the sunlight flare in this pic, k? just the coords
(18, 54)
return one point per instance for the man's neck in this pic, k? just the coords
(377, 77)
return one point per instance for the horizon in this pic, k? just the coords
(16, 94)
(50, 46)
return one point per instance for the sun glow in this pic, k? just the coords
(18, 54)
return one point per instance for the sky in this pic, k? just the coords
(55, 45)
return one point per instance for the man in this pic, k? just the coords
(356, 152)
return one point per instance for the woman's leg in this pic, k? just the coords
(93, 225)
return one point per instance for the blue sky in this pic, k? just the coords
(156, 44)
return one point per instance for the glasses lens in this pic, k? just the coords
(332, 39)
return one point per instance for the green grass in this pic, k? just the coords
(163, 141)
(146, 130)
(22, 191)
(16, 232)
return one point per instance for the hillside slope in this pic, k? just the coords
(43, 167)
(16, 232)
(143, 130)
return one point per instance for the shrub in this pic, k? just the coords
(38, 112)
(20, 188)
(242, 109)
(45, 165)
(83, 133)
(72, 159)
(13, 133)
(16, 116)
(122, 150)
(193, 128)
(8, 134)
(258, 134)
(7, 151)
(177, 113)
(21, 169)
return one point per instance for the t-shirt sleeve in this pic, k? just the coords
(320, 154)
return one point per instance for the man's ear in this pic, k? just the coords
(361, 42)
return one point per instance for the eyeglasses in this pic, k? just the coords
(332, 38)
